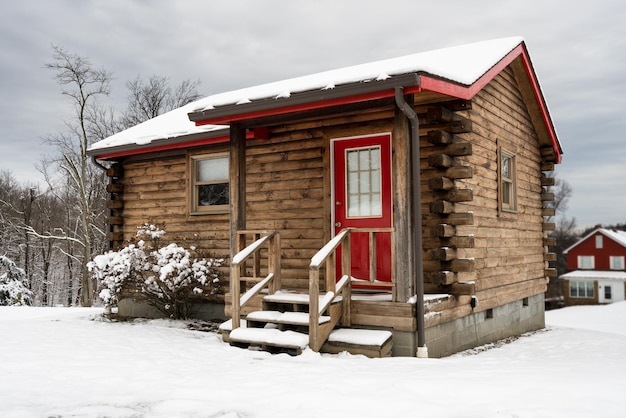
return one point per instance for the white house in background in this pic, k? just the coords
(596, 268)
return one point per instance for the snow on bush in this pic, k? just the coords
(13, 284)
(167, 276)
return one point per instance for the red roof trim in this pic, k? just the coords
(166, 147)
(303, 107)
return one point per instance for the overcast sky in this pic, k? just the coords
(578, 50)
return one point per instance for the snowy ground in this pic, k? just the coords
(65, 362)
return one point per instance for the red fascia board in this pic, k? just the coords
(305, 106)
(467, 92)
(165, 147)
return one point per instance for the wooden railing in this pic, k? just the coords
(238, 264)
(327, 257)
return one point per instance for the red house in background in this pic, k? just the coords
(596, 268)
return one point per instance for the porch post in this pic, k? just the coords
(237, 175)
(404, 262)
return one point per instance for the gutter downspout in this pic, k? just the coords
(418, 265)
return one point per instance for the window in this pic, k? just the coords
(607, 293)
(210, 186)
(507, 179)
(363, 182)
(598, 241)
(581, 289)
(586, 262)
(617, 262)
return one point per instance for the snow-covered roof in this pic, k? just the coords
(173, 124)
(615, 235)
(594, 275)
(463, 64)
(460, 65)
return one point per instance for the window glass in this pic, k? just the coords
(585, 262)
(364, 182)
(507, 179)
(210, 184)
(598, 241)
(581, 289)
(617, 262)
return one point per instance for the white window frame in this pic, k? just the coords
(599, 242)
(582, 259)
(581, 289)
(507, 185)
(195, 184)
(616, 262)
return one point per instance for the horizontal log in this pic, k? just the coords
(440, 160)
(549, 257)
(440, 114)
(458, 105)
(546, 166)
(439, 137)
(460, 195)
(116, 170)
(116, 220)
(440, 183)
(547, 197)
(466, 218)
(444, 253)
(465, 265)
(460, 127)
(550, 272)
(441, 207)
(461, 288)
(462, 172)
(547, 181)
(548, 226)
(115, 188)
(549, 242)
(115, 204)
(441, 277)
(462, 241)
(445, 230)
(548, 212)
(459, 149)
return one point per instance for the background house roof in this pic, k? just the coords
(615, 235)
(593, 275)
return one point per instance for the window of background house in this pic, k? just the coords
(617, 262)
(586, 262)
(581, 289)
(210, 186)
(598, 241)
(507, 178)
(607, 293)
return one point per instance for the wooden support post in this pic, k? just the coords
(346, 269)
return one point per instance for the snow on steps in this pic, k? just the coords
(284, 318)
(371, 343)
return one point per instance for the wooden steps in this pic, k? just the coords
(283, 323)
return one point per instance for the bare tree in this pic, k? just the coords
(148, 99)
(83, 84)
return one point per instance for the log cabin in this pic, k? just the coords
(391, 208)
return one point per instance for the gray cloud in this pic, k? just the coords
(578, 51)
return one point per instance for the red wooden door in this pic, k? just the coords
(362, 199)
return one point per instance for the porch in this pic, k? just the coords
(336, 313)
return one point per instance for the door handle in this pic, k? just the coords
(337, 224)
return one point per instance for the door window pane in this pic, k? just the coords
(363, 178)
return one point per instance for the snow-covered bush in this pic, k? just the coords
(13, 284)
(168, 277)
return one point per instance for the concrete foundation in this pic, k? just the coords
(137, 308)
(477, 329)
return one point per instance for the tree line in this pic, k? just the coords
(53, 229)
